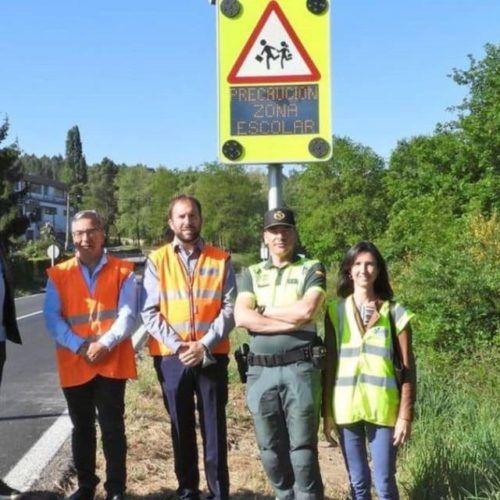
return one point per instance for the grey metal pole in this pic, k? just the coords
(275, 183)
(66, 240)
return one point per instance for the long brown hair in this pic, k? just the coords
(345, 285)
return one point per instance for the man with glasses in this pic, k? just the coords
(8, 331)
(90, 311)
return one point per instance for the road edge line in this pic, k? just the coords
(28, 469)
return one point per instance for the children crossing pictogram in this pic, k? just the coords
(273, 53)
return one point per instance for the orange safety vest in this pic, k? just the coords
(91, 316)
(189, 304)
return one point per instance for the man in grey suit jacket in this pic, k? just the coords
(8, 331)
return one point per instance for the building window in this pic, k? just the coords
(35, 188)
(58, 193)
(49, 210)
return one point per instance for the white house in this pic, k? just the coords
(45, 203)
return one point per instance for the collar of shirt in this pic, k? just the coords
(179, 247)
(86, 271)
(269, 263)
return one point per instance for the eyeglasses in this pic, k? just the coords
(90, 233)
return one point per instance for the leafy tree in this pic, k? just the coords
(100, 193)
(479, 124)
(454, 287)
(435, 180)
(164, 185)
(233, 203)
(50, 167)
(134, 197)
(427, 190)
(75, 169)
(339, 202)
(12, 222)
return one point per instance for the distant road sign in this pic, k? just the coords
(274, 81)
(53, 252)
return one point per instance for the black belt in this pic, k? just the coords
(281, 359)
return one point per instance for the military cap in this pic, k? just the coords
(279, 217)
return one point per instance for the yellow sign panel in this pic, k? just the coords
(274, 81)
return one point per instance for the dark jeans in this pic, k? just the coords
(179, 386)
(105, 395)
(2, 359)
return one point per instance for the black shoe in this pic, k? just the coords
(82, 493)
(8, 493)
(115, 496)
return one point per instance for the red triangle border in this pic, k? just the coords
(315, 75)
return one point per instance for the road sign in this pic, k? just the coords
(53, 251)
(274, 81)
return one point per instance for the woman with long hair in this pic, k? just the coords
(364, 397)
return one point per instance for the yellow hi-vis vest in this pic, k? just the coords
(289, 289)
(190, 305)
(365, 383)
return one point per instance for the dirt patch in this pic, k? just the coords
(150, 459)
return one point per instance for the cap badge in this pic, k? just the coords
(278, 215)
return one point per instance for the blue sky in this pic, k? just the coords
(139, 78)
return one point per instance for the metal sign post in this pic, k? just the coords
(275, 183)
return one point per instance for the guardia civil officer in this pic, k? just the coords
(278, 302)
(8, 331)
(90, 311)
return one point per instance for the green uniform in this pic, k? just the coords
(285, 400)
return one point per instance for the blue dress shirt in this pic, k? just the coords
(156, 324)
(122, 327)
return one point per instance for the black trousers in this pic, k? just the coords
(180, 385)
(107, 396)
(2, 359)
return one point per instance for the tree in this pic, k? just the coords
(428, 190)
(232, 203)
(12, 222)
(479, 126)
(164, 185)
(100, 193)
(50, 167)
(340, 201)
(75, 169)
(134, 197)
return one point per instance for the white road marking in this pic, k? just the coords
(24, 474)
(29, 468)
(29, 315)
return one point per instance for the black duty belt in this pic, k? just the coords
(282, 358)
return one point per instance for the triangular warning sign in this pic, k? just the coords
(273, 53)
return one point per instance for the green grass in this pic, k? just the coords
(455, 449)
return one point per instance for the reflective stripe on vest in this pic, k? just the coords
(190, 304)
(365, 386)
(290, 289)
(94, 316)
(91, 316)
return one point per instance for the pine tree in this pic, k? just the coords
(75, 170)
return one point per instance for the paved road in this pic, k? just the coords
(30, 396)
